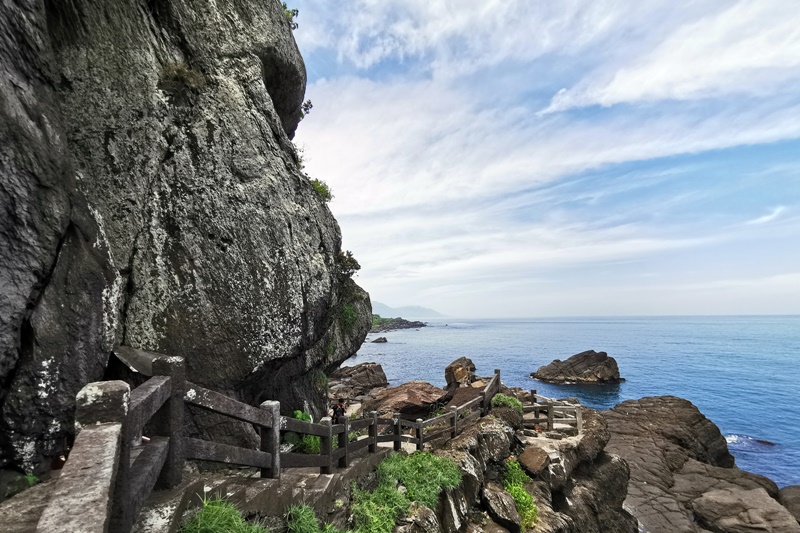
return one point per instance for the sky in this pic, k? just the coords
(526, 158)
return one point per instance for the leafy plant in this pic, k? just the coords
(348, 265)
(31, 479)
(501, 400)
(322, 189)
(290, 15)
(217, 516)
(305, 109)
(514, 482)
(309, 444)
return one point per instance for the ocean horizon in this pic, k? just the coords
(739, 370)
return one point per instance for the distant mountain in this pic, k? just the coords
(408, 311)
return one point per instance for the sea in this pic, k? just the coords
(742, 372)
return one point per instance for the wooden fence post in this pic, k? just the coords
(344, 441)
(420, 436)
(325, 445)
(271, 439)
(373, 433)
(533, 395)
(484, 406)
(579, 418)
(171, 415)
(550, 416)
(398, 432)
(454, 422)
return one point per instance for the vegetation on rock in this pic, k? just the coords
(177, 75)
(216, 516)
(290, 15)
(348, 265)
(301, 519)
(514, 482)
(501, 400)
(322, 189)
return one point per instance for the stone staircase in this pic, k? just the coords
(164, 510)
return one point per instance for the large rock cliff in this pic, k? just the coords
(151, 197)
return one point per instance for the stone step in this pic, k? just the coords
(20, 513)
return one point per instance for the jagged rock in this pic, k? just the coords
(501, 507)
(157, 203)
(509, 415)
(418, 519)
(534, 460)
(410, 399)
(743, 511)
(380, 340)
(789, 497)
(460, 372)
(350, 382)
(675, 455)
(585, 367)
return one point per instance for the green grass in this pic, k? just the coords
(514, 482)
(378, 320)
(501, 400)
(219, 516)
(422, 474)
(301, 519)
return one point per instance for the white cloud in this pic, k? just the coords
(772, 215)
(751, 48)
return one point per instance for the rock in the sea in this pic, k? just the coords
(380, 339)
(349, 382)
(397, 323)
(410, 399)
(675, 455)
(789, 497)
(743, 511)
(154, 200)
(460, 372)
(585, 367)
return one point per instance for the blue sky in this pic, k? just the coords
(583, 157)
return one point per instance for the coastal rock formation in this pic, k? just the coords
(153, 199)
(460, 372)
(350, 382)
(677, 456)
(742, 511)
(391, 324)
(410, 399)
(585, 367)
(381, 340)
(789, 497)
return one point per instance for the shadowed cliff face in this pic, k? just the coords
(151, 197)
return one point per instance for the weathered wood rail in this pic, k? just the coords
(551, 412)
(112, 469)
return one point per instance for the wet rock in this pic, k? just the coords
(534, 460)
(419, 519)
(380, 340)
(743, 511)
(585, 367)
(397, 323)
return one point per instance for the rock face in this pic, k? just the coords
(410, 399)
(789, 497)
(152, 198)
(677, 456)
(350, 382)
(397, 323)
(585, 367)
(743, 511)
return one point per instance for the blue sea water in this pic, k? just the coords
(741, 372)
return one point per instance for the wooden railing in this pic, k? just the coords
(123, 476)
(551, 412)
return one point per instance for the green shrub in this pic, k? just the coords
(422, 474)
(347, 264)
(301, 519)
(501, 400)
(514, 482)
(309, 444)
(322, 189)
(290, 15)
(378, 320)
(217, 516)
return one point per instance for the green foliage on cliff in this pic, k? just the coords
(422, 474)
(217, 515)
(501, 400)
(301, 519)
(322, 189)
(514, 482)
(348, 316)
(290, 15)
(348, 265)
(177, 75)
